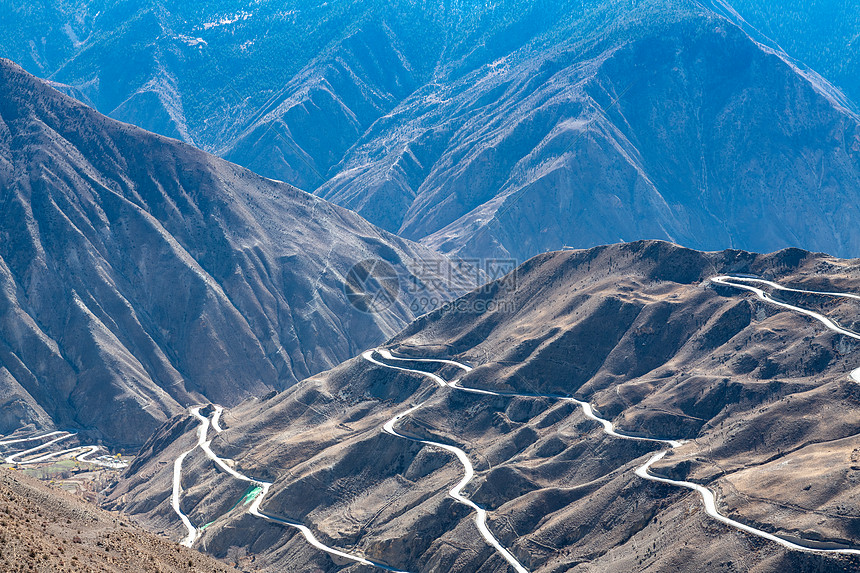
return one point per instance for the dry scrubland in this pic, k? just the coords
(49, 531)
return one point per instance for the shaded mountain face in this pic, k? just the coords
(200, 73)
(504, 129)
(139, 274)
(637, 330)
(823, 35)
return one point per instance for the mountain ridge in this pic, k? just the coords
(141, 268)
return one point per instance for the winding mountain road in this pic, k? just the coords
(16, 457)
(726, 280)
(204, 444)
(30, 438)
(644, 471)
(175, 497)
(84, 451)
(456, 491)
(81, 453)
(708, 497)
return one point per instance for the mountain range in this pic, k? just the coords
(397, 285)
(504, 129)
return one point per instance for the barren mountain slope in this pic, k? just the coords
(761, 395)
(50, 531)
(139, 274)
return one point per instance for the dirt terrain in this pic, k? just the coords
(46, 530)
(760, 395)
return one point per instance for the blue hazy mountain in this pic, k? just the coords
(822, 34)
(502, 129)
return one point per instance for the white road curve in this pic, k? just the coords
(216, 418)
(368, 355)
(710, 503)
(778, 286)
(456, 491)
(309, 536)
(385, 353)
(727, 280)
(193, 532)
(84, 450)
(16, 457)
(608, 427)
(30, 438)
(103, 460)
(81, 453)
(469, 470)
(205, 445)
